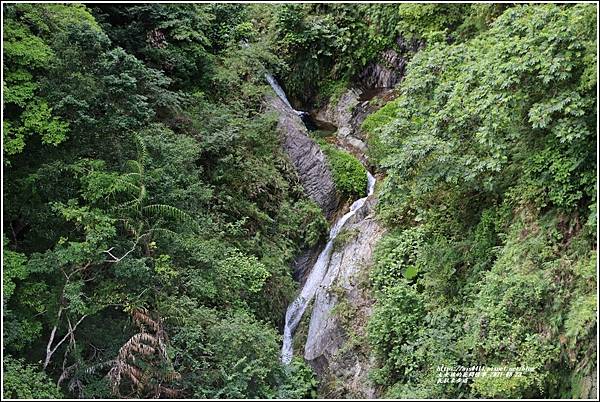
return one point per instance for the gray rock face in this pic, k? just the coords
(588, 386)
(304, 262)
(340, 114)
(390, 67)
(348, 114)
(386, 73)
(330, 348)
(307, 157)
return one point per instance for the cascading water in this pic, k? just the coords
(276, 87)
(297, 307)
(279, 91)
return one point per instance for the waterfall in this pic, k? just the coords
(296, 309)
(279, 91)
(298, 306)
(275, 85)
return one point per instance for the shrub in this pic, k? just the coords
(349, 175)
(26, 381)
(393, 328)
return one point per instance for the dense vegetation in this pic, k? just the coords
(349, 175)
(490, 197)
(149, 211)
(151, 216)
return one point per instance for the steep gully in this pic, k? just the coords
(297, 308)
(315, 278)
(335, 267)
(334, 276)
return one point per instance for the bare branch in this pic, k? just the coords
(116, 259)
(51, 350)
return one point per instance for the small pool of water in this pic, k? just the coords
(318, 127)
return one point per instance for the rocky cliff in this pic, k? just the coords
(372, 90)
(389, 68)
(306, 156)
(348, 114)
(335, 345)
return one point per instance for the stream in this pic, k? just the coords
(296, 309)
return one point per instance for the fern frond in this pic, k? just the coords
(142, 194)
(130, 228)
(129, 184)
(142, 150)
(163, 231)
(169, 211)
(131, 204)
(135, 166)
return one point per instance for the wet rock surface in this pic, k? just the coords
(335, 344)
(304, 262)
(336, 347)
(306, 156)
(340, 113)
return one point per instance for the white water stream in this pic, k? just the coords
(279, 91)
(296, 309)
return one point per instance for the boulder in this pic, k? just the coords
(348, 114)
(306, 156)
(340, 113)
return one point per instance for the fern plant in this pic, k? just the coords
(139, 218)
(142, 365)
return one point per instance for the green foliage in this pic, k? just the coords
(396, 257)
(489, 159)
(238, 274)
(307, 221)
(37, 119)
(325, 45)
(170, 38)
(13, 267)
(28, 114)
(227, 356)
(427, 20)
(145, 184)
(248, 355)
(456, 145)
(384, 116)
(344, 237)
(392, 327)
(26, 381)
(331, 91)
(302, 383)
(349, 175)
(148, 200)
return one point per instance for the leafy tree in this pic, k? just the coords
(27, 113)
(172, 38)
(151, 215)
(24, 381)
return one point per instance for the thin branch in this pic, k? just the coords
(51, 350)
(116, 259)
